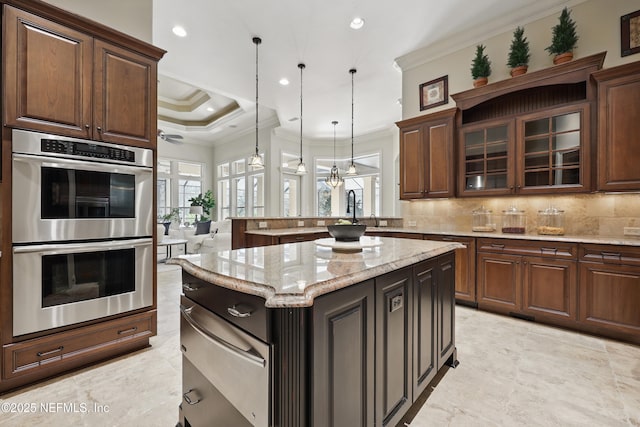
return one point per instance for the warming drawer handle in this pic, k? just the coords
(187, 287)
(233, 310)
(189, 400)
(127, 331)
(186, 314)
(50, 352)
(61, 162)
(70, 248)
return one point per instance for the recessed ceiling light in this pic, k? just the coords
(210, 109)
(357, 23)
(284, 81)
(179, 31)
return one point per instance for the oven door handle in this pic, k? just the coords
(249, 357)
(69, 248)
(60, 162)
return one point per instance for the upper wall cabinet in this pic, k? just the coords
(427, 168)
(529, 134)
(63, 81)
(618, 127)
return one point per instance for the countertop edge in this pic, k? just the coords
(273, 300)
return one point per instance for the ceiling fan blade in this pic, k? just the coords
(172, 138)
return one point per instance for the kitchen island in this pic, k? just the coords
(299, 334)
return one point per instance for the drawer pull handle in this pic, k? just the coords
(233, 310)
(447, 239)
(126, 331)
(189, 400)
(50, 352)
(187, 287)
(497, 246)
(611, 254)
(552, 250)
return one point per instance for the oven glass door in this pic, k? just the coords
(56, 199)
(59, 285)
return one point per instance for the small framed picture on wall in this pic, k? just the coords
(434, 93)
(630, 33)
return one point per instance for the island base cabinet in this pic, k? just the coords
(343, 334)
(393, 346)
(610, 300)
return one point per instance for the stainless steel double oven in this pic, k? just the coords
(82, 226)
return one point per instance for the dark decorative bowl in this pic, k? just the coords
(347, 232)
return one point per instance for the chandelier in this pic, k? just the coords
(255, 161)
(334, 179)
(352, 166)
(302, 169)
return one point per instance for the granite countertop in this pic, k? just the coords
(292, 275)
(603, 240)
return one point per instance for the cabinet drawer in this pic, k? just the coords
(39, 353)
(610, 254)
(306, 237)
(558, 250)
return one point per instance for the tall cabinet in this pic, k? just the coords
(66, 75)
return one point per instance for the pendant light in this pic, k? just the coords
(255, 161)
(302, 169)
(352, 166)
(334, 179)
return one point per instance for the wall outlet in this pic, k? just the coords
(411, 223)
(632, 231)
(383, 223)
(300, 223)
(262, 224)
(320, 223)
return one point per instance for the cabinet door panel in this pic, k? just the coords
(343, 331)
(125, 95)
(47, 75)
(446, 308)
(412, 164)
(440, 160)
(499, 282)
(393, 346)
(424, 327)
(550, 288)
(610, 297)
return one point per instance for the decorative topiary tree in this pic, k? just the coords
(518, 52)
(480, 67)
(564, 36)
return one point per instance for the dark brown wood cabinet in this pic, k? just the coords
(532, 278)
(610, 290)
(427, 165)
(63, 81)
(394, 339)
(465, 265)
(618, 127)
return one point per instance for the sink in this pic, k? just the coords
(346, 232)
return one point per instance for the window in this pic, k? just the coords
(291, 185)
(177, 182)
(333, 201)
(240, 190)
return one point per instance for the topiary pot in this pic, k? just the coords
(480, 81)
(562, 58)
(518, 71)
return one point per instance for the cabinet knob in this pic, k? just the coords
(99, 129)
(86, 126)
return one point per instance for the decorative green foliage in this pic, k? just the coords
(564, 35)
(481, 66)
(519, 51)
(207, 202)
(173, 215)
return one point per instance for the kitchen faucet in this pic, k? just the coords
(375, 218)
(354, 220)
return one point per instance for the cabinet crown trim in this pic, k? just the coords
(570, 72)
(444, 114)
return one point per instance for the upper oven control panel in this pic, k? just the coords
(86, 150)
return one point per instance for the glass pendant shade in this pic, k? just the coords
(334, 179)
(352, 167)
(255, 162)
(302, 169)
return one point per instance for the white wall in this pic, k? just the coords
(598, 27)
(132, 17)
(192, 153)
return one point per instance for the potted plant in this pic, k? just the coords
(564, 38)
(207, 202)
(480, 67)
(171, 217)
(518, 53)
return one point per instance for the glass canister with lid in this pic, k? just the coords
(483, 220)
(551, 221)
(514, 220)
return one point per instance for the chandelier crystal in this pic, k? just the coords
(255, 161)
(334, 179)
(302, 169)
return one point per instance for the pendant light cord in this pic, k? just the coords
(352, 71)
(257, 41)
(334, 142)
(301, 66)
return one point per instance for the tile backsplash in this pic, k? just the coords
(585, 214)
